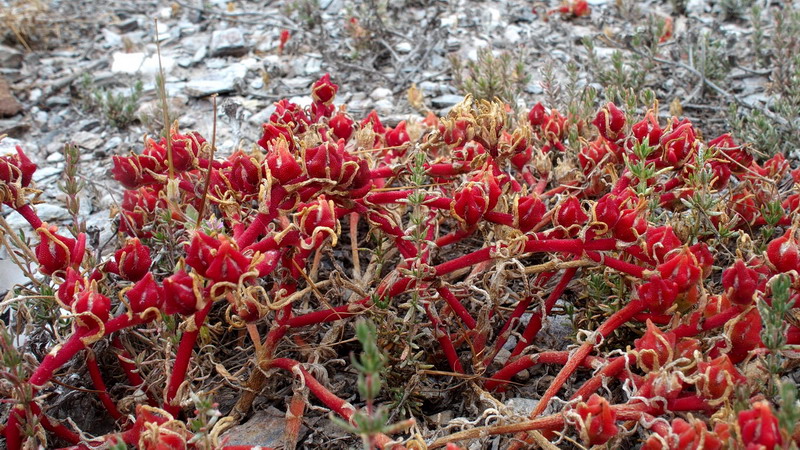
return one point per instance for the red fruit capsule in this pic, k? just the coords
(610, 122)
(659, 294)
(323, 91)
(784, 252)
(655, 348)
(682, 268)
(324, 161)
(759, 427)
(228, 264)
(537, 114)
(693, 435)
(740, 283)
(54, 251)
(570, 213)
(469, 204)
(92, 309)
(146, 293)
(72, 285)
(528, 212)
(397, 136)
(718, 378)
(201, 251)
(745, 336)
(597, 420)
(647, 131)
(281, 163)
(318, 217)
(133, 260)
(341, 126)
(179, 294)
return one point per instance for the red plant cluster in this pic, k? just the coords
(269, 214)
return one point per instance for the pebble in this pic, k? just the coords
(404, 47)
(384, 106)
(10, 275)
(522, 406)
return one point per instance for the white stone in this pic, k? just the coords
(404, 47)
(150, 65)
(380, 93)
(127, 62)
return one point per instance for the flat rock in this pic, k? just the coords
(9, 106)
(216, 82)
(15, 127)
(51, 213)
(443, 101)
(87, 140)
(230, 42)
(264, 429)
(10, 274)
(10, 58)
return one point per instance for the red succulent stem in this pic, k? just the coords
(499, 380)
(328, 398)
(612, 323)
(100, 385)
(457, 307)
(182, 358)
(535, 324)
(30, 215)
(130, 369)
(612, 369)
(256, 227)
(345, 311)
(574, 246)
(443, 336)
(618, 264)
(715, 321)
(57, 357)
(454, 237)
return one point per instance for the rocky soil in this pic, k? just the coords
(61, 54)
